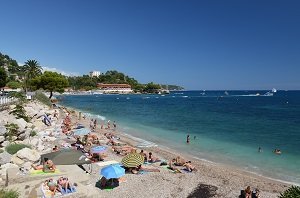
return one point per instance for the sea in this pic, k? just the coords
(226, 127)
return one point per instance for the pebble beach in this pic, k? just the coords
(210, 179)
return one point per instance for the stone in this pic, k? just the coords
(2, 138)
(13, 138)
(2, 130)
(29, 125)
(27, 165)
(40, 147)
(34, 142)
(28, 154)
(5, 143)
(21, 123)
(5, 158)
(5, 167)
(16, 160)
(22, 136)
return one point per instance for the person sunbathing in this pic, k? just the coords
(179, 161)
(145, 155)
(153, 159)
(63, 184)
(172, 167)
(48, 166)
(50, 184)
(189, 167)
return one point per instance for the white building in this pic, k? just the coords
(95, 73)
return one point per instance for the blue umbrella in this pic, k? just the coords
(112, 171)
(82, 131)
(98, 149)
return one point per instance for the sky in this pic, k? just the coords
(197, 44)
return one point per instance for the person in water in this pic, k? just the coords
(259, 149)
(277, 151)
(188, 138)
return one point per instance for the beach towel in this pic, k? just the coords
(40, 172)
(142, 172)
(168, 168)
(68, 190)
(106, 163)
(184, 170)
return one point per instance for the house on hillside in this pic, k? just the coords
(114, 88)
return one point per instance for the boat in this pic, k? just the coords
(274, 90)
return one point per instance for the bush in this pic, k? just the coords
(292, 192)
(40, 96)
(1, 150)
(20, 112)
(14, 148)
(4, 193)
(32, 133)
(12, 130)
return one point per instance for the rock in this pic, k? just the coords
(28, 154)
(12, 106)
(21, 123)
(5, 143)
(2, 138)
(13, 138)
(5, 167)
(34, 141)
(22, 136)
(29, 125)
(27, 165)
(5, 158)
(26, 141)
(16, 160)
(2, 130)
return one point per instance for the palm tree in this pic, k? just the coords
(32, 70)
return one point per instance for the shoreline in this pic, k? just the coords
(214, 170)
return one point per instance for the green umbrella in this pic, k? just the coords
(66, 157)
(133, 160)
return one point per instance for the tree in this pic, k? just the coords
(32, 70)
(14, 84)
(3, 77)
(152, 88)
(50, 81)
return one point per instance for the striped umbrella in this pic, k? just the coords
(98, 149)
(132, 160)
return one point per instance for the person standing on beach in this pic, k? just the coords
(188, 139)
(95, 124)
(114, 125)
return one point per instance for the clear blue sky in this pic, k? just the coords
(197, 44)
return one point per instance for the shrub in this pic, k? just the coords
(14, 148)
(4, 193)
(292, 192)
(12, 130)
(40, 96)
(32, 133)
(1, 150)
(19, 112)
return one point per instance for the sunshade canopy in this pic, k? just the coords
(133, 160)
(112, 171)
(66, 157)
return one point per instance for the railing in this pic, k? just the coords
(4, 100)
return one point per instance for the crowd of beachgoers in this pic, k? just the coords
(114, 166)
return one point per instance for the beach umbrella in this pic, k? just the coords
(98, 149)
(112, 171)
(82, 131)
(66, 157)
(133, 160)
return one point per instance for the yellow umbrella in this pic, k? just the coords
(132, 160)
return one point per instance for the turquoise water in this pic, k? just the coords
(229, 126)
